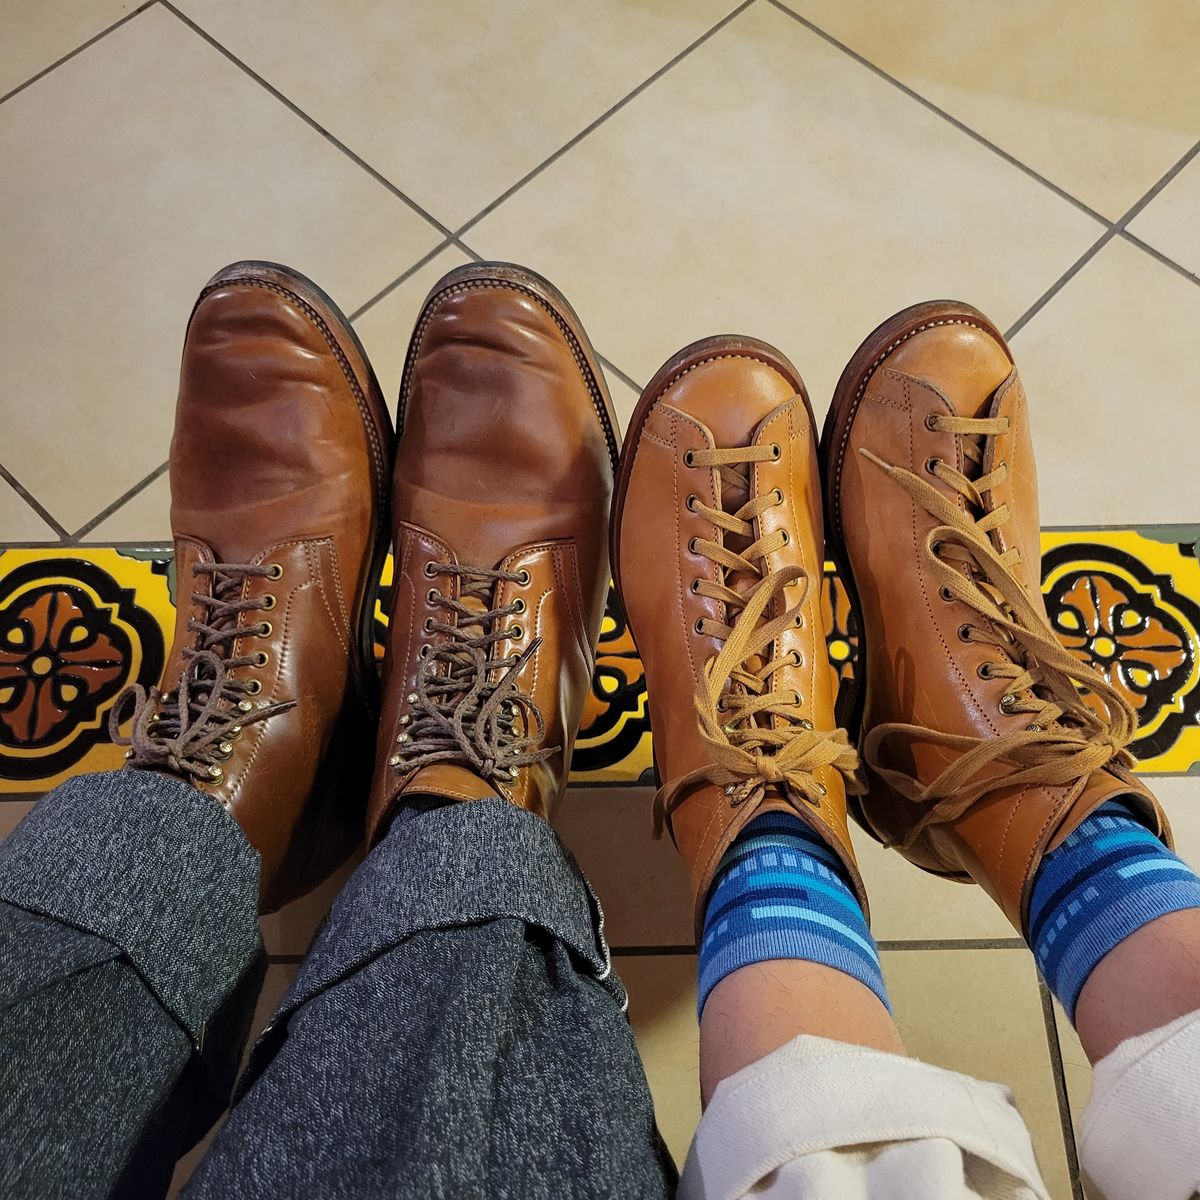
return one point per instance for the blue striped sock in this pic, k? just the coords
(1107, 880)
(780, 892)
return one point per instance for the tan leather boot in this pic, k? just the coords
(278, 508)
(717, 557)
(981, 753)
(502, 485)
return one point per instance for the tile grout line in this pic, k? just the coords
(296, 110)
(1158, 255)
(383, 294)
(1117, 228)
(961, 126)
(34, 503)
(603, 117)
(1060, 1090)
(137, 12)
(118, 503)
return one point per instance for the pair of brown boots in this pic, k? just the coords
(287, 485)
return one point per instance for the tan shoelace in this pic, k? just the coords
(191, 729)
(467, 705)
(1067, 738)
(736, 700)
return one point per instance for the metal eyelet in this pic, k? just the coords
(692, 545)
(695, 587)
(931, 422)
(964, 633)
(432, 596)
(777, 496)
(691, 502)
(787, 537)
(518, 605)
(932, 464)
(266, 629)
(776, 452)
(253, 687)
(698, 628)
(260, 658)
(1008, 703)
(424, 651)
(274, 571)
(523, 577)
(797, 699)
(689, 458)
(516, 633)
(215, 774)
(430, 569)
(984, 670)
(945, 593)
(428, 626)
(267, 601)
(804, 723)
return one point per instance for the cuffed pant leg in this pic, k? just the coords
(456, 1031)
(129, 964)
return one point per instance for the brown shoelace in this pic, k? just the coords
(737, 699)
(1069, 735)
(467, 707)
(191, 729)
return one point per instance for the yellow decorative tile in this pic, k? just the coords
(1110, 366)
(1099, 97)
(1168, 222)
(38, 33)
(131, 174)
(452, 102)
(769, 185)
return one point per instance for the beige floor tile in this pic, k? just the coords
(18, 522)
(145, 518)
(452, 105)
(133, 172)
(1168, 222)
(979, 1012)
(908, 904)
(1111, 366)
(640, 881)
(771, 186)
(38, 33)
(12, 813)
(1101, 98)
(662, 1010)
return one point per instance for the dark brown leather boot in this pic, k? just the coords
(718, 559)
(503, 477)
(985, 741)
(279, 469)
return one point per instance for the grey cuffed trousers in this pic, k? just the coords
(456, 1029)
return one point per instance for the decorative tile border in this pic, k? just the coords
(78, 624)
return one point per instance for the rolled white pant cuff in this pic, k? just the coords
(1140, 1133)
(825, 1115)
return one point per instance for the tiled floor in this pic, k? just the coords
(679, 168)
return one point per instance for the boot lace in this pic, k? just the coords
(191, 728)
(467, 708)
(1078, 722)
(737, 697)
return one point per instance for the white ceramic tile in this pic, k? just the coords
(36, 33)
(1111, 366)
(18, 521)
(132, 173)
(769, 185)
(1099, 96)
(1171, 221)
(979, 1012)
(145, 518)
(451, 101)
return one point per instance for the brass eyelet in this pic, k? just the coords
(432, 596)
(695, 587)
(215, 774)
(267, 601)
(777, 496)
(984, 670)
(253, 687)
(931, 465)
(1008, 703)
(698, 628)
(523, 577)
(266, 629)
(274, 571)
(516, 633)
(797, 699)
(518, 605)
(787, 537)
(964, 633)
(931, 422)
(430, 569)
(776, 452)
(260, 658)
(690, 502)
(689, 458)
(692, 545)
(804, 723)
(797, 658)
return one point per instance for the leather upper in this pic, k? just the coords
(916, 666)
(505, 463)
(278, 458)
(720, 401)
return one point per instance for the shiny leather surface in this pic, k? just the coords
(278, 457)
(700, 402)
(505, 461)
(916, 668)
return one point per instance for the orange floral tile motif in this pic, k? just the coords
(79, 624)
